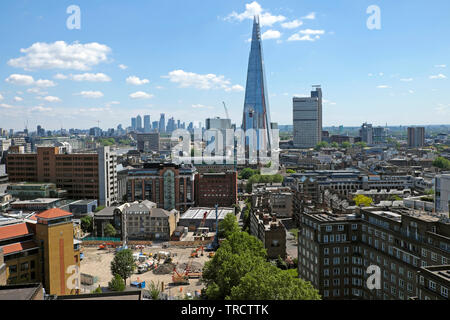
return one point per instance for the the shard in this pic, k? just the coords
(256, 105)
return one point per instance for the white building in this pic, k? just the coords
(442, 193)
(107, 171)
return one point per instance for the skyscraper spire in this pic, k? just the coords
(256, 105)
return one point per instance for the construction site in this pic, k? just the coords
(176, 267)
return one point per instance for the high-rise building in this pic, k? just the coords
(379, 135)
(148, 142)
(138, 123)
(256, 105)
(307, 117)
(155, 126)
(147, 124)
(133, 124)
(442, 193)
(162, 123)
(366, 133)
(416, 137)
(170, 125)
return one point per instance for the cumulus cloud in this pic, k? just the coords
(5, 106)
(18, 99)
(37, 91)
(292, 24)
(200, 106)
(60, 55)
(136, 81)
(383, 86)
(26, 80)
(306, 35)
(1, 97)
(438, 76)
(60, 76)
(41, 109)
(122, 66)
(141, 95)
(440, 66)
(91, 77)
(310, 16)
(297, 37)
(91, 94)
(271, 34)
(201, 81)
(51, 99)
(407, 79)
(254, 8)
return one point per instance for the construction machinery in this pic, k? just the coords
(226, 110)
(180, 278)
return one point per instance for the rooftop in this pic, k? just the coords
(197, 213)
(20, 291)
(53, 214)
(19, 246)
(14, 231)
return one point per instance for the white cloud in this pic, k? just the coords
(122, 66)
(370, 74)
(60, 76)
(37, 91)
(411, 91)
(383, 86)
(254, 8)
(41, 109)
(20, 79)
(109, 104)
(1, 97)
(439, 76)
(271, 34)
(136, 81)
(297, 37)
(18, 99)
(51, 99)
(235, 88)
(292, 24)
(200, 106)
(60, 55)
(44, 83)
(407, 79)
(440, 66)
(91, 77)
(312, 32)
(141, 95)
(5, 106)
(91, 94)
(310, 16)
(200, 81)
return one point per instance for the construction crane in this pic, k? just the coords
(226, 110)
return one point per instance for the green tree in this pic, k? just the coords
(266, 282)
(363, 200)
(228, 226)
(290, 171)
(442, 163)
(345, 145)
(110, 231)
(117, 283)
(246, 173)
(237, 255)
(99, 208)
(321, 145)
(335, 145)
(361, 144)
(98, 290)
(86, 223)
(123, 264)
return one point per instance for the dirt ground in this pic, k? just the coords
(97, 264)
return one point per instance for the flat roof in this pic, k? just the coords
(38, 201)
(197, 213)
(19, 292)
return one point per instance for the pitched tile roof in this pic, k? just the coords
(19, 246)
(53, 213)
(14, 230)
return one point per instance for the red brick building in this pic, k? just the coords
(216, 188)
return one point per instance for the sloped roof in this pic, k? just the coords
(53, 213)
(14, 230)
(19, 246)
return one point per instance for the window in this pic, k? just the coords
(13, 269)
(354, 226)
(336, 250)
(444, 292)
(340, 227)
(432, 285)
(326, 272)
(326, 251)
(328, 228)
(326, 261)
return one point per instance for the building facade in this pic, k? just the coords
(216, 188)
(307, 117)
(416, 137)
(442, 193)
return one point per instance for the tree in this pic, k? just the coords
(86, 224)
(116, 283)
(361, 144)
(228, 226)
(97, 290)
(442, 163)
(110, 231)
(246, 173)
(320, 145)
(335, 145)
(345, 145)
(363, 200)
(238, 254)
(123, 264)
(267, 282)
(290, 171)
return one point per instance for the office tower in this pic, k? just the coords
(256, 105)
(178, 124)
(170, 125)
(366, 133)
(190, 127)
(40, 132)
(138, 123)
(218, 128)
(155, 126)
(416, 137)
(442, 193)
(147, 125)
(379, 135)
(107, 176)
(307, 118)
(133, 124)
(148, 142)
(162, 123)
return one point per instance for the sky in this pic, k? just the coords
(183, 58)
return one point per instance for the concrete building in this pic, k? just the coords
(435, 284)
(148, 142)
(31, 191)
(139, 123)
(416, 137)
(216, 188)
(307, 116)
(83, 175)
(270, 231)
(366, 133)
(147, 124)
(193, 217)
(442, 193)
(278, 199)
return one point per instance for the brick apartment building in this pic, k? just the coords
(169, 185)
(83, 175)
(335, 251)
(216, 188)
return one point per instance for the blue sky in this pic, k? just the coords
(185, 57)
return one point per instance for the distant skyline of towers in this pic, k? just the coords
(416, 137)
(256, 113)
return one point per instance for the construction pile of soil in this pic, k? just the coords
(195, 267)
(164, 268)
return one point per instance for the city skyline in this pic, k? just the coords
(305, 44)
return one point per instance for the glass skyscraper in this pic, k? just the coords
(256, 105)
